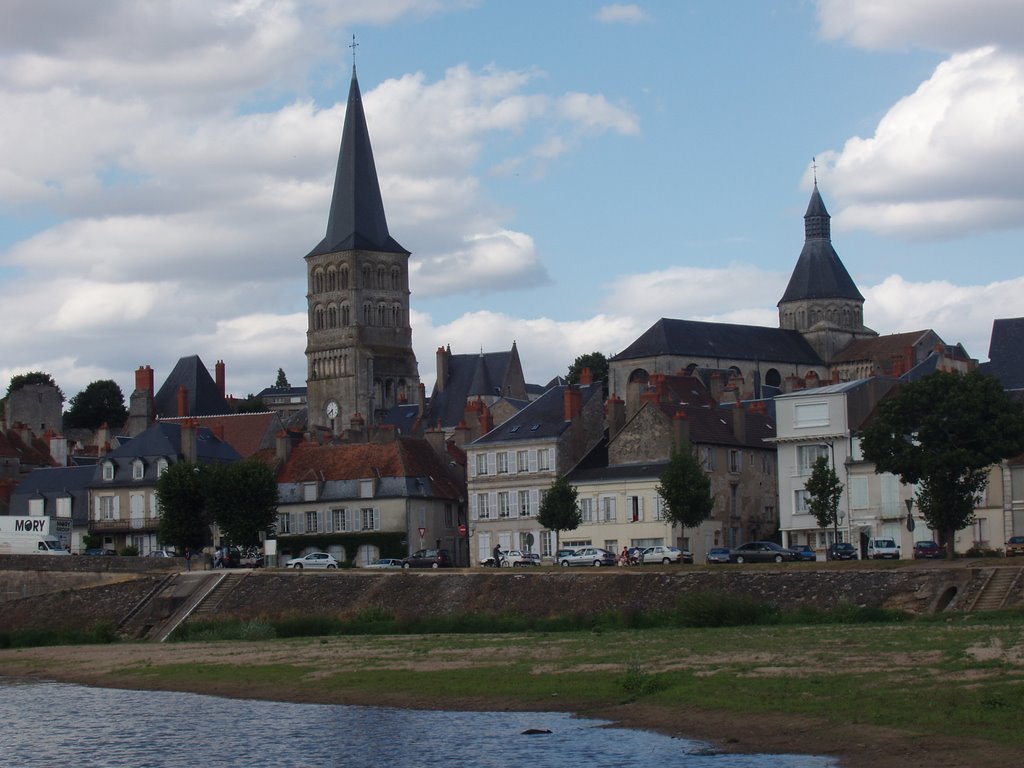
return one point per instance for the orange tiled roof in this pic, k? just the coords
(247, 433)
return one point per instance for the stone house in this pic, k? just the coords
(511, 466)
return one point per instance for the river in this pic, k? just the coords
(47, 724)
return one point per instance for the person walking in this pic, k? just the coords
(497, 555)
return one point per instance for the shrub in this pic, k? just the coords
(713, 609)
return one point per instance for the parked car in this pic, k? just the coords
(761, 552)
(516, 558)
(717, 555)
(99, 551)
(385, 562)
(842, 550)
(163, 553)
(1015, 546)
(428, 558)
(312, 560)
(928, 550)
(804, 552)
(563, 553)
(665, 555)
(230, 557)
(883, 549)
(594, 556)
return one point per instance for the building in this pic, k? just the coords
(511, 466)
(360, 360)
(617, 483)
(361, 501)
(60, 493)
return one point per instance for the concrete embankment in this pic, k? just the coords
(545, 592)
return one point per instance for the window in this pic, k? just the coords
(284, 523)
(483, 510)
(635, 508)
(810, 415)
(734, 460)
(608, 509)
(859, 493)
(522, 461)
(659, 508)
(106, 507)
(856, 452)
(311, 522)
(524, 503)
(586, 510)
(366, 489)
(481, 463)
(161, 466)
(309, 491)
(806, 455)
(340, 521)
(35, 507)
(369, 519)
(544, 459)
(503, 462)
(734, 500)
(64, 506)
(707, 458)
(108, 470)
(503, 510)
(547, 543)
(449, 517)
(769, 514)
(800, 502)
(138, 470)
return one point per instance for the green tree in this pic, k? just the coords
(598, 365)
(558, 509)
(944, 432)
(282, 380)
(823, 493)
(32, 377)
(101, 402)
(686, 489)
(183, 520)
(242, 500)
(252, 404)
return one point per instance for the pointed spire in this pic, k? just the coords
(356, 219)
(817, 224)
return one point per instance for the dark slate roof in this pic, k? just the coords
(879, 348)
(282, 392)
(204, 399)
(819, 274)
(164, 439)
(51, 483)
(468, 375)
(1006, 352)
(595, 467)
(693, 338)
(356, 220)
(543, 418)
(404, 418)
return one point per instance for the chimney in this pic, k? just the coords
(812, 380)
(681, 430)
(739, 424)
(461, 435)
(182, 400)
(144, 379)
(218, 430)
(421, 394)
(717, 385)
(219, 368)
(383, 434)
(188, 440)
(59, 450)
(283, 446)
(442, 368)
(586, 377)
(102, 436)
(572, 402)
(486, 420)
(615, 414)
(435, 436)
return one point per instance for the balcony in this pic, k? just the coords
(141, 524)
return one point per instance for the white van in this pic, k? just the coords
(28, 536)
(883, 549)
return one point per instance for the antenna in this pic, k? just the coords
(814, 160)
(353, 46)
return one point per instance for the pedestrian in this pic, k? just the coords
(217, 560)
(497, 555)
(188, 558)
(624, 556)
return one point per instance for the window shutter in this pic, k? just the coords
(533, 459)
(534, 502)
(472, 506)
(491, 464)
(117, 507)
(492, 503)
(471, 465)
(376, 519)
(96, 511)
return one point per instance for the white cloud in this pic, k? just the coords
(944, 25)
(621, 13)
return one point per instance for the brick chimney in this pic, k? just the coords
(572, 402)
(282, 446)
(188, 440)
(486, 420)
(586, 377)
(442, 367)
(221, 381)
(435, 436)
(144, 378)
(681, 430)
(739, 423)
(615, 414)
(717, 385)
(182, 400)
(421, 399)
(461, 435)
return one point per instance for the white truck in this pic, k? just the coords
(28, 536)
(883, 549)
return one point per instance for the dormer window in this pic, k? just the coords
(138, 469)
(161, 466)
(108, 470)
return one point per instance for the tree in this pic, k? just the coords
(944, 432)
(30, 378)
(686, 489)
(183, 520)
(252, 404)
(282, 380)
(558, 509)
(823, 493)
(242, 500)
(101, 402)
(598, 365)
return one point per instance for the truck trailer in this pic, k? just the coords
(28, 536)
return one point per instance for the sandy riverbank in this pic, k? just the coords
(857, 746)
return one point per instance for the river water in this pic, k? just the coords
(48, 724)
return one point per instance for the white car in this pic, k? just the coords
(312, 560)
(883, 549)
(386, 562)
(665, 555)
(515, 558)
(163, 553)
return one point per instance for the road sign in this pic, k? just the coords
(462, 529)
(423, 532)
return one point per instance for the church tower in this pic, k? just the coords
(359, 356)
(821, 300)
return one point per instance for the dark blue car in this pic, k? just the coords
(804, 552)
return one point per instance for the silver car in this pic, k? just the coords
(594, 556)
(312, 560)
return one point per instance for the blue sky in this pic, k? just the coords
(563, 173)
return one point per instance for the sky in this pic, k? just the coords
(564, 174)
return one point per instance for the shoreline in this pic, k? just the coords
(851, 746)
